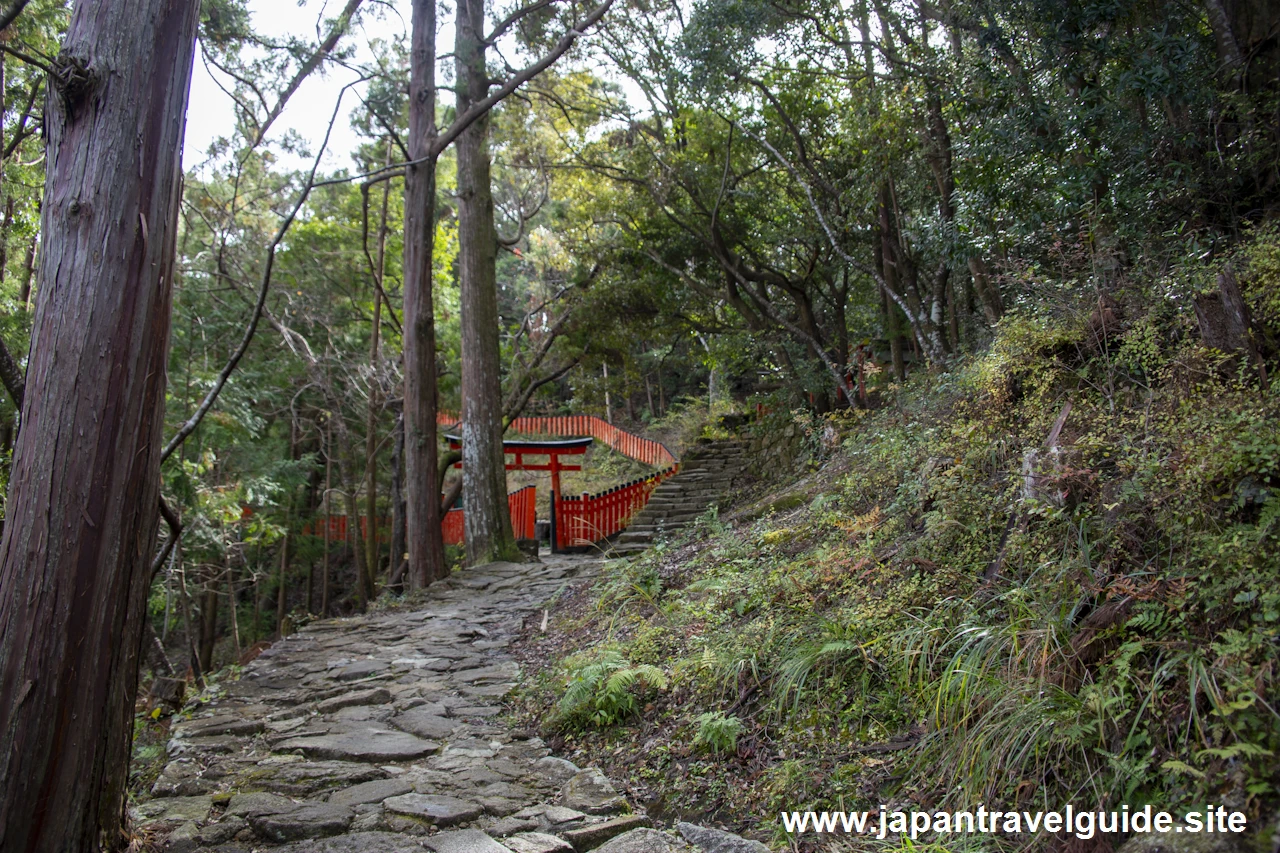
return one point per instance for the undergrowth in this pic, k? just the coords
(972, 612)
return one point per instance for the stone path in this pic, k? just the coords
(382, 733)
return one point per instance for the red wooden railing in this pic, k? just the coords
(590, 518)
(452, 527)
(644, 450)
(522, 504)
(338, 528)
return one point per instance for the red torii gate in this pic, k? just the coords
(579, 521)
(553, 450)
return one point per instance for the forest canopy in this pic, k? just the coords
(656, 212)
(801, 201)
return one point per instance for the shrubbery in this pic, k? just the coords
(970, 614)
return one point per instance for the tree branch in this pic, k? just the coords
(210, 398)
(20, 134)
(479, 108)
(313, 62)
(175, 533)
(27, 58)
(8, 16)
(514, 17)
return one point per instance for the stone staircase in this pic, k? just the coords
(707, 473)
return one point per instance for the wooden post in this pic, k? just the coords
(555, 503)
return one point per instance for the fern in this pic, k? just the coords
(606, 690)
(717, 732)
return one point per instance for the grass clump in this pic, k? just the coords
(973, 612)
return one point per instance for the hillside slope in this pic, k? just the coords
(1048, 576)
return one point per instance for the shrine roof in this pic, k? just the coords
(566, 445)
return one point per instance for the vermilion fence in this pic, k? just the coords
(644, 450)
(523, 505)
(590, 518)
(338, 528)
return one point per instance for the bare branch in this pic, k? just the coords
(27, 58)
(175, 533)
(373, 267)
(514, 18)
(10, 14)
(313, 62)
(517, 405)
(210, 398)
(479, 108)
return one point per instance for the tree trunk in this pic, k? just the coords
(422, 495)
(232, 616)
(371, 427)
(257, 602)
(888, 310)
(484, 492)
(395, 572)
(355, 544)
(84, 495)
(29, 271)
(988, 292)
(282, 587)
(188, 624)
(208, 624)
(328, 518)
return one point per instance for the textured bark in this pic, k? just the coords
(422, 501)
(1223, 32)
(425, 545)
(375, 393)
(208, 624)
(988, 291)
(75, 558)
(395, 571)
(328, 517)
(484, 492)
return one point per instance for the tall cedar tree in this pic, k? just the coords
(422, 492)
(484, 490)
(482, 415)
(76, 553)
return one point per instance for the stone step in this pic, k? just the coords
(662, 511)
(708, 473)
(695, 485)
(685, 500)
(667, 526)
(667, 523)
